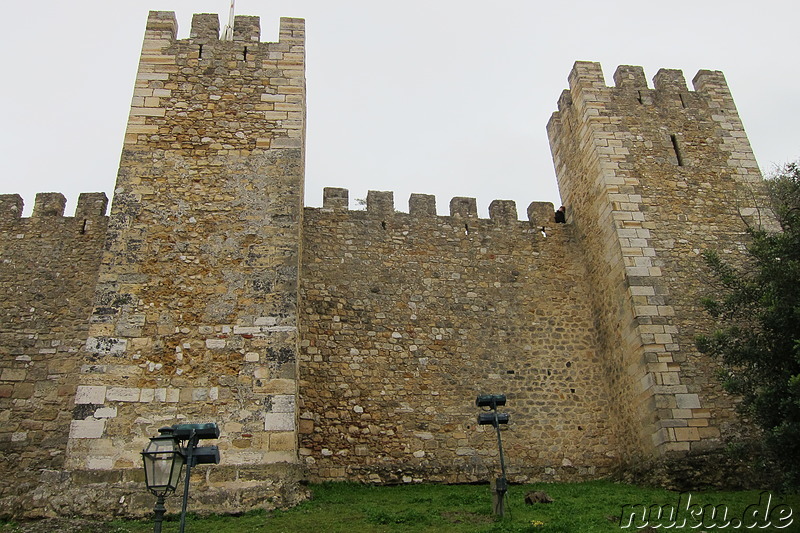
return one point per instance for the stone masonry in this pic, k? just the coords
(431, 312)
(338, 344)
(652, 178)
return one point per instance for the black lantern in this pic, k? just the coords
(163, 461)
(165, 456)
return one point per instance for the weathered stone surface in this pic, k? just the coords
(200, 267)
(430, 316)
(653, 177)
(336, 344)
(48, 267)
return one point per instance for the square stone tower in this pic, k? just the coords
(195, 312)
(651, 178)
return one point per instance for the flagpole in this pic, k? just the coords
(227, 33)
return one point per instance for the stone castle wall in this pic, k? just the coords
(194, 315)
(48, 269)
(197, 293)
(406, 318)
(652, 178)
(336, 344)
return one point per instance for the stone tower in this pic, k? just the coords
(195, 313)
(332, 344)
(652, 177)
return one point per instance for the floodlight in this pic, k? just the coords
(488, 418)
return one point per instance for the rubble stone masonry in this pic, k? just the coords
(406, 318)
(49, 269)
(653, 177)
(338, 344)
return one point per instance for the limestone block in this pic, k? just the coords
(246, 330)
(106, 412)
(282, 441)
(123, 394)
(173, 395)
(277, 329)
(147, 395)
(100, 463)
(90, 394)
(276, 386)
(279, 422)
(362, 450)
(686, 434)
(86, 429)
(199, 394)
(267, 97)
(215, 344)
(281, 403)
(687, 401)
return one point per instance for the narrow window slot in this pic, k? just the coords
(200, 52)
(245, 53)
(677, 149)
(466, 229)
(639, 96)
(383, 224)
(83, 227)
(683, 102)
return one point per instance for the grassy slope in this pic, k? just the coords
(592, 507)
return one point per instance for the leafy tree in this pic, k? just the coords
(757, 307)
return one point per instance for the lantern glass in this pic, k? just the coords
(163, 462)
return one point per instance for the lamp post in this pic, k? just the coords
(492, 417)
(164, 458)
(163, 461)
(192, 433)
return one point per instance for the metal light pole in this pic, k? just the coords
(159, 509)
(492, 417)
(164, 458)
(189, 453)
(195, 455)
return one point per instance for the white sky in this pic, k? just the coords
(439, 96)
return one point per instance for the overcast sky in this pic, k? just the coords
(440, 97)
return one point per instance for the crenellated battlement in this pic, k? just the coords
(650, 176)
(586, 82)
(211, 288)
(381, 203)
(163, 51)
(162, 30)
(180, 81)
(206, 27)
(52, 204)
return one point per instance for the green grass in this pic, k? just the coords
(591, 507)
